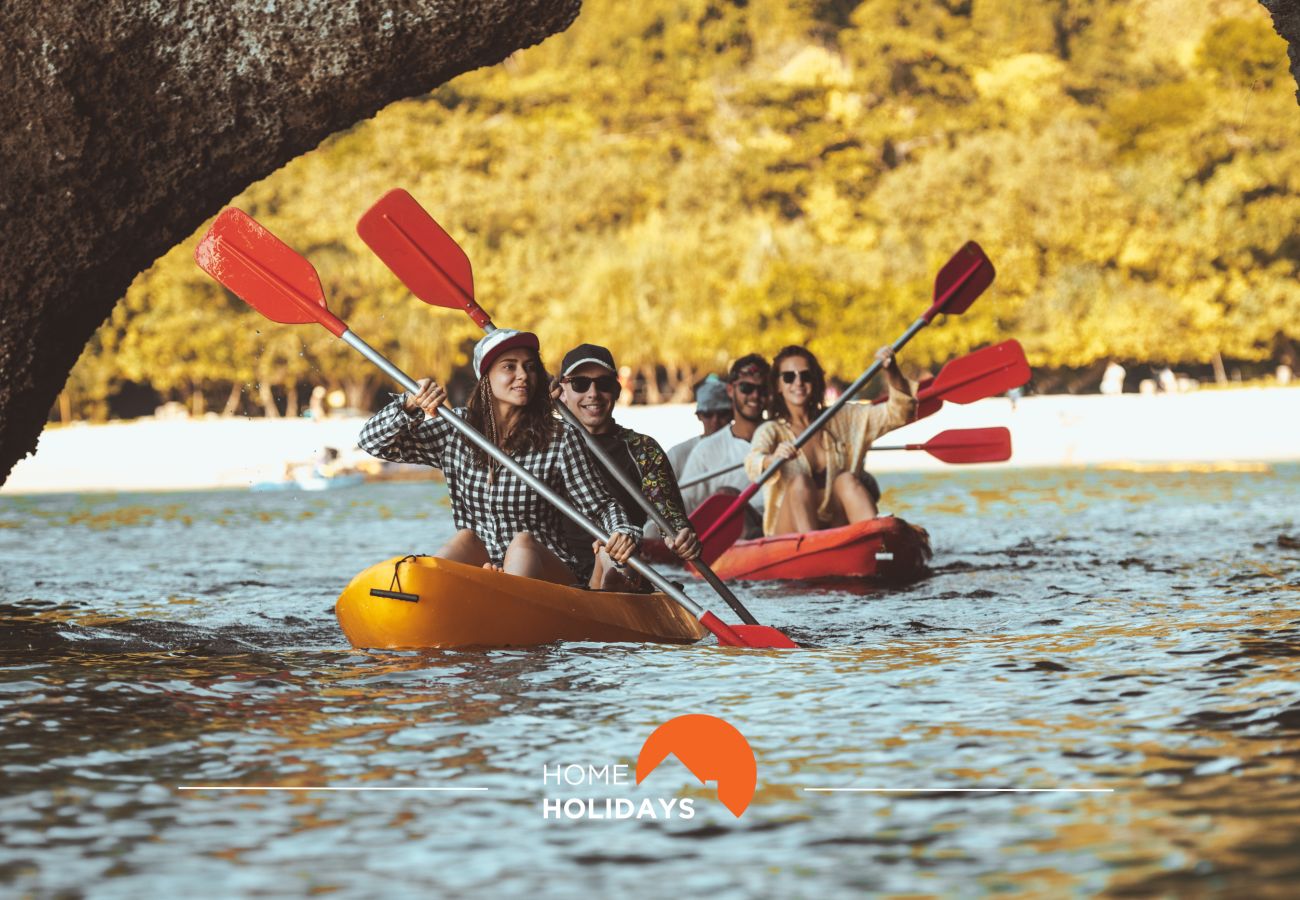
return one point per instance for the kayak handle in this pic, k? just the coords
(395, 595)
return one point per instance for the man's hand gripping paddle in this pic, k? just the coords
(962, 279)
(283, 286)
(437, 270)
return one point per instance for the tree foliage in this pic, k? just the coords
(689, 180)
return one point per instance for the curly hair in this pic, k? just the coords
(816, 397)
(533, 432)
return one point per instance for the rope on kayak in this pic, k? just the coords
(395, 591)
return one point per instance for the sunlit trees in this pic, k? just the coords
(689, 180)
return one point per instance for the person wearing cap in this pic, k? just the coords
(746, 392)
(501, 523)
(713, 409)
(589, 387)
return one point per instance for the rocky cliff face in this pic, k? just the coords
(127, 123)
(1286, 21)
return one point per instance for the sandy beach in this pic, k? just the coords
(1249, 425)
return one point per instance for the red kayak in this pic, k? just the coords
(886, 548)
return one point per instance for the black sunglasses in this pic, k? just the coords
(748, 387)
(805, 376)
(606, 384)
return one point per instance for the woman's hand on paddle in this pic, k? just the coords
(686, 544)
(620, 547)
(430, 396)
(786, 450)
(890, 364)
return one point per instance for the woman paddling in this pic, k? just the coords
(501, 523)
(819, 486)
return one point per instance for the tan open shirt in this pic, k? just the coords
(847, 437)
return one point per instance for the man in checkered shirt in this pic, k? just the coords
(589, 388)
(498, 517)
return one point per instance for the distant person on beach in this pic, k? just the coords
(626, 385)
(1112, 380)
(589, 387)
(316, 405)
(1167, 380)
(713, 409)
(819, 485)
(502, 524)
(747, 392)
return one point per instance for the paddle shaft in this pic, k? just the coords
(816, 424)
(716, 625)
(709, 476)
(634, 490)
(655, 515)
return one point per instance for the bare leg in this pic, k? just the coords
(798, 512)
(529, 557)
(854, 498)
(464, 547)
(608, 577)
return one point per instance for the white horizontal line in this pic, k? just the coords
(253, 787)
(952, 790)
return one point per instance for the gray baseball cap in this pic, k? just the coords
(711, 396)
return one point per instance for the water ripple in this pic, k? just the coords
(1081, 629)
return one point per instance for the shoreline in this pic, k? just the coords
(1247, 425)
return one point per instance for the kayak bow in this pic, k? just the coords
(412, 602)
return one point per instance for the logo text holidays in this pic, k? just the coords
(589, 791)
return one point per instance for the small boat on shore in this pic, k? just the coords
(310, 483)
(412, 602)
(887, 549)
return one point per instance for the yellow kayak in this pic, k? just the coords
(422, 601)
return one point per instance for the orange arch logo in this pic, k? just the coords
(712, 749)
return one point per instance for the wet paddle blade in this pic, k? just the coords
(423, 255)
(984, 373)
(704, 516)
(970, 445)
(960, 281)
(763, 637)
(263, 271)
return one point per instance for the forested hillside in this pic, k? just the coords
(689, 180)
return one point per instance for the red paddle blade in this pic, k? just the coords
(705, 515)
(984, 373)
(424, 256)
(926, 404)
(763, 637)
(263, 271)
(960, 281)
(970, 445)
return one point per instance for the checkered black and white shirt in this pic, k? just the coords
(499, 510)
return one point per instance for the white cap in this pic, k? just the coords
(498, 341)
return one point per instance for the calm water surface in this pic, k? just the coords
(1082, 629)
